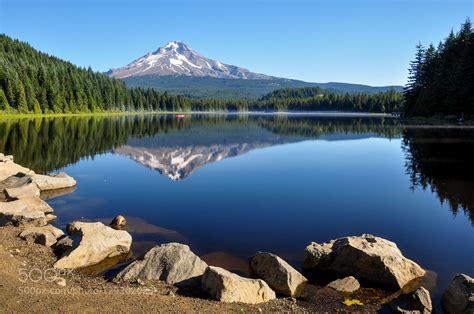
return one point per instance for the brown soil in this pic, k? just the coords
(22, 289)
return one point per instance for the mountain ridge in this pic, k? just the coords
(178, 69)
(177, 58)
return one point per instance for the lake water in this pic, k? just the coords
(232, 185)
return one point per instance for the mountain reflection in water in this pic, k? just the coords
(229, 186)
(440, 158)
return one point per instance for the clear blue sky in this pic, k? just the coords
(367, 41)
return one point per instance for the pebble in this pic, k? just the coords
(60, 281)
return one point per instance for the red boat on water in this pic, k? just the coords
(179, 116)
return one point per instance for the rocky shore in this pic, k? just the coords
(362, 273)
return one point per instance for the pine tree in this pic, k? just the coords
(22, 104)
(4, 105)
(37, 107)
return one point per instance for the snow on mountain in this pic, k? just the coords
(177, 59)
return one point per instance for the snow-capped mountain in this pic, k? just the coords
(177, 59)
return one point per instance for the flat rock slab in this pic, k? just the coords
(46, 235)
(22, 213)
(93, 242)
(53, 182)
(32, 203)
(225, 286)
(173, 263)
(366, 257)
(8, 168)
(459, 296)
(348, 284)
(277, 273)
(25, 191)
(418, 301)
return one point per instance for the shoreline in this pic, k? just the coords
(263, 113)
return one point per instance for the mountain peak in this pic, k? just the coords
(177, 59)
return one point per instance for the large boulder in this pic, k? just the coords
(173, 263)
(225, 286)
(93, 242)
(459, 296)
(25, 191)
(46, 235)
(366, 257)
(54, 181)
(21, 213)
(348, 284)
(418, 301)
(277, 273)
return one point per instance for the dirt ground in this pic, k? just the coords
(27, 284)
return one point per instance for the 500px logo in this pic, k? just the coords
(37, 274)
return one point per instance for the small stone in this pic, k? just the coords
(118, 222)
(51, 217)
(60, 281)
(141, 282)
(418, 301)
(348, 284)
(46, 235)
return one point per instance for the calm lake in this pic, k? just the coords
(232, 185)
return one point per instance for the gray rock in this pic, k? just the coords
(62, 245)
(459, 296)
(15, 181)
(21, 213)
(173, 263)
(93, 243)
(418, 301)
(225, 286)
(8, 168)
(365, 257)
(45, 235)
(53, 182)
(348, 284)
(277, 273)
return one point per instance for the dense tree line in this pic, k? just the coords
(315, 98)
(441, 79)
(34, 82)
(308, 99)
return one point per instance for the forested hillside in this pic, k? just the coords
(215, 88)
(34, 82)
(316, 98)
(441, 80)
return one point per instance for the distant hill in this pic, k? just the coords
(210, 87)
(180, 70)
